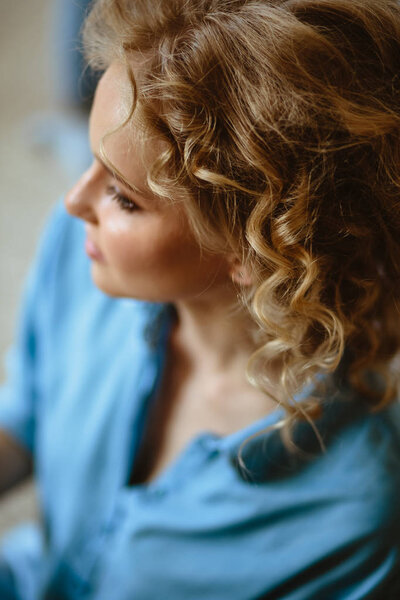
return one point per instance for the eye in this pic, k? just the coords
(124, 202)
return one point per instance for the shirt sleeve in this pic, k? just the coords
(19, 395)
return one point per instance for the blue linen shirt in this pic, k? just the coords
(82, 375)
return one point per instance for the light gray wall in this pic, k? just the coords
(30, 181)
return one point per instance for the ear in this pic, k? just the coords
(240, 274)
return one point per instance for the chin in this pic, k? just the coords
(114, 290)
(104, 283)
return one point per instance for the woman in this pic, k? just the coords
(210, 394)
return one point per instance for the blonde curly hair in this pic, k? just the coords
(282, 126)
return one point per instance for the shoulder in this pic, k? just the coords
(374, 458)
(362, 459)
(339, 504)
(365, 445)
(359, 481)
(358, 470)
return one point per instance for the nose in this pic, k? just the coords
(80, 201)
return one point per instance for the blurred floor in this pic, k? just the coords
(30, 182)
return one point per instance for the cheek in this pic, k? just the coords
(145, 246)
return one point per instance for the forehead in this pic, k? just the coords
(112, 100)
(126, 144)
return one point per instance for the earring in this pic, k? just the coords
(241, 277)
(238, 275)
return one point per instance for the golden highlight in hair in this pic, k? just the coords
(281, 123)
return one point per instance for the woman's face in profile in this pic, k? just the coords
(141, 245)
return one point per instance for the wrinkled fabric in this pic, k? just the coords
(82, 375)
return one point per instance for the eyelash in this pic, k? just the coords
(123, 202)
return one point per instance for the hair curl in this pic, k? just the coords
(282, 123)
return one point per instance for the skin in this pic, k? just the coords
(150, 253)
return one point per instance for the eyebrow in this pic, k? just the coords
(120, 179)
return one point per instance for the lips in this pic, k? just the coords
(92, 251)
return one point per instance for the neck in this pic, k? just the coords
(214, 336)
(210, 346)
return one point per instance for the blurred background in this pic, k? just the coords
(43, 147)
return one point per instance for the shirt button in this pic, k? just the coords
(157, 493)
